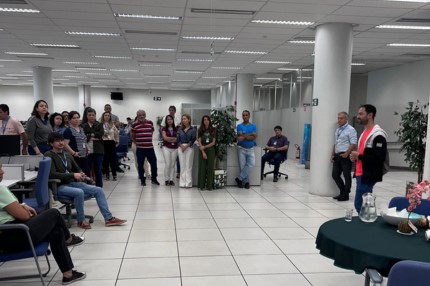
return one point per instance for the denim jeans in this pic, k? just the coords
(95, 163)
(149, 154)
(78, 191)
(361, 189)
(246, 161)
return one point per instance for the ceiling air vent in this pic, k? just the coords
(222, 11)
(413, 20)
(150, 32)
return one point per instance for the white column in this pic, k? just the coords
(426, 171)
(84, 98)
(214, 97)
(244, 94)
(332, 79)
(42, 86)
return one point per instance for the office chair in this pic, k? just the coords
(68, 203)
(272, 162)
(35, 251)
(40, 201)
(122, 151)
(408, 272)
(402, 202)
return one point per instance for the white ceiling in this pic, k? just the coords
(58, 16)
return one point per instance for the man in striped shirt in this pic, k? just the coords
(141, 133)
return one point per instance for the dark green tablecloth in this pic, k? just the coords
(357, 245)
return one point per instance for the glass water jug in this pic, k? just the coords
(368, 208)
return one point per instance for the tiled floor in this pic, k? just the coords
(229, 237)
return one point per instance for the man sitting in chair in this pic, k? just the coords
(276, 149)
(65, 169)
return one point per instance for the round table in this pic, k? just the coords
(358, 245)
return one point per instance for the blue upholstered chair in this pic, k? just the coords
(34, 251)
(408, 272)
(402, 202)
(122, 150)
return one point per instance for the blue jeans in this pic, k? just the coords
(361, 189)
(94, 162)
(246, 161)
(78, 191)
(148, 153)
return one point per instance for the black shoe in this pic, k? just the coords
(76, 240)
(246, 185)
(76, 276)
(155, 182)
(114, 178)
(172, 183)
(275, 179)
(119, 170)
(262, 177)
(239, 183)
(167, 183)
(107, 178)
(343, 198)
(336, 197)
(143, 183)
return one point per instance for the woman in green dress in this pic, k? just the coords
(206, 140)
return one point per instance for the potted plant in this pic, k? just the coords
(412, 134)
(224, 122)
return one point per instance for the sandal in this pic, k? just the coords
(83, 224)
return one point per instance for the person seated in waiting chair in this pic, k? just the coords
(276, 148)
(47, 226)
(73, 184)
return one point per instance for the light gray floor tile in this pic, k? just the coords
(276, 280)
(275, 222)
(138, 235)
(199, 234)
(99, 251)
(165, 224)
(208, 266)
(297, 246)
(246, 247)
(195, 223)
(287, 233)
(149, 268)
(96, 236)
(235, 222)
(243, 233)
(203, 248)
(150, 282)
(264, 264)
(335, 279)
(151, 249)
(214, 281)
(312, 263)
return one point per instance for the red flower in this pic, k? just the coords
(415, 193)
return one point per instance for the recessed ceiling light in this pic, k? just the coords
(123, 70)
(185, 71)
(154, 49)
(296, 23)
(195, 60)
(245, 52)
(208, 38)
(301, 42)
(403, 27)
(18, 10)
(113, 57)
(272, 62)
(358, 64)
(92, 34)
(26, 54)
(122, 15)
(407, 45)
(81, 63)
(66, 46)
(226, 68)
(90, 69)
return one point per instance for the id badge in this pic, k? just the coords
(274, 143)
(207, 139)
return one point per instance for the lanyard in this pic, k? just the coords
(64, 161)
(5, 124)
(339, 132)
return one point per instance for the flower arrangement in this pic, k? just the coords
(415, 194)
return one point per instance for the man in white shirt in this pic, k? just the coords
(11, 126)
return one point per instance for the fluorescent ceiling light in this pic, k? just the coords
(1, 29)
(195, 60)
(208, 38)
(26, 54)
(183, 80)
(407, 45)
(245, 52)
(185, 71)
(113, 57)
(214, 77)
(222, 11)
(75, 76)
(157, 75)
(97, 73)
(18, 10)
(7, 77)
(131, 78)
(296, 23)
(226, 68)
(123, 70)
(81, 63)
(273, 62)
(403, 27)
(92, 34)
(67, 46)
(287, 69)
(58, 79)
(19, 75)
(268, 78)
(122, 15)
(9, 60)
(301, 42)
(90, 69)
(358, 64)
(55, 70)
(154, 49)
(154, 65)
(156, 82)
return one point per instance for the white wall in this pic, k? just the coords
(390, 90)
(21, 101)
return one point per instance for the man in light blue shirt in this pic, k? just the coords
(345, 140)
(246, 135)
